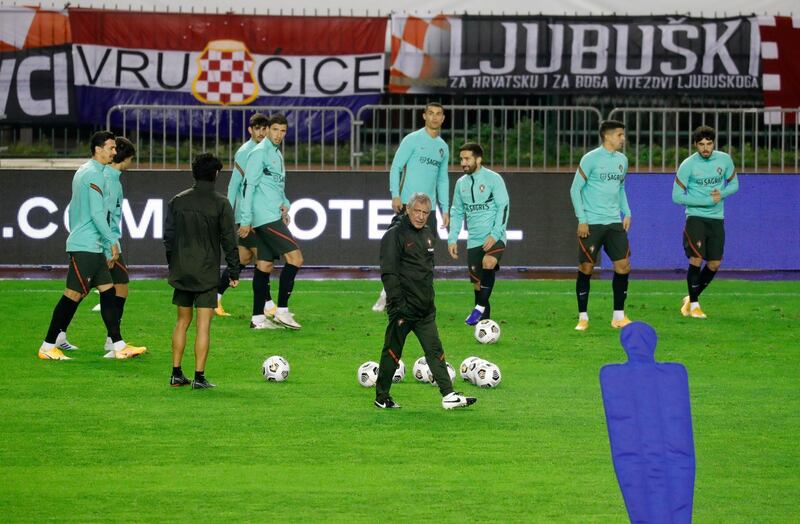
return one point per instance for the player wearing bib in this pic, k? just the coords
(598, 198)
(481, 197)
(88, 266)
(420, 166)
(236, 189)
(265, 209)
(703, 182)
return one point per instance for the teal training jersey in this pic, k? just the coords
(265, 178)
(697, 177)
(88, 215)
(237, 185)
(598, 189)
(481, 197)
(420, 166)
(113, 201)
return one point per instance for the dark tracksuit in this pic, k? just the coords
(199, 221)
(407, 275)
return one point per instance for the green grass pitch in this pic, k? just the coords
(100, 440)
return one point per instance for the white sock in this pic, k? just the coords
(258, 318)
(283, 310)
(47, 346)
(219, 297)
(619, 315)
(269, 304)
(480, 308)
(119, 346)
(694, 305)
(383, 293)
(583, 316)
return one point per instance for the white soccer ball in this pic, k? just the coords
(275, 369)
(421, 371)
(368, 374)
(473, 367)
(450, 371)
(465, 367)
(400, 372)
(487, 375)
(487, 331)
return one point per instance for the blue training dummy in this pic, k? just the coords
(650, 430)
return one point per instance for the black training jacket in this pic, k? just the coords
(407, 270)
(199, 221)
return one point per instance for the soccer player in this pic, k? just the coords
(480, 195)
(407, 275)
(703, 182)
(199, 213)
(598, 197)
(88, 266)
(265, 210)
(236, 187)
(114, 197)
(420, 165)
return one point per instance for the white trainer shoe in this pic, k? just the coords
(96, 309)
(286, 319)
(380, 305)
(62, 342)
(457, 400)
(108, 346)
(264, 323)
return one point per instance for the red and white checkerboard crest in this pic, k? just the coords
(225, 74)
(420, 53)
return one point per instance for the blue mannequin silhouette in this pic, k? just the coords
(650, 430)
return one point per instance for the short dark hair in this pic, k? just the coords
(99, 140)
(434, 104)
(608, 125)
(205, 167)
(259, 119)
(474, 147)
(703, 133)
(125, 150)
(278, 118)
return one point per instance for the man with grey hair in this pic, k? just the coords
(407, 275)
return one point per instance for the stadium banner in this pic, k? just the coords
(573, 54)
(225, 60)
(338, 219)
(36, 85)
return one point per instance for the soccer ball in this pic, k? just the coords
(487, 331)
(487, 375)
(275, 369)
(400, 372)
(450, 371)
(473, 367)
(421, 371)
(465, 366)
(368, 374)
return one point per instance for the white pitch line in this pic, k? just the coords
(494, 293)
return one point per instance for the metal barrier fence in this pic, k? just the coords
(513, 137)
(758, 139)
(533, 138)
(170, 136)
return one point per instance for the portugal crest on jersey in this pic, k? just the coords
(225, 74)
(482, 188)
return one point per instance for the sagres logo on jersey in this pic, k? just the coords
(620, 168)
(719, 170)
(225, 74)
(441, 152)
